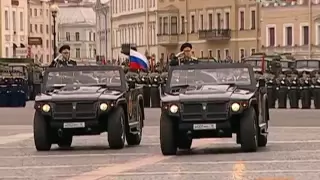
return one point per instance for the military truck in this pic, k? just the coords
(31, 70)
(272, 62)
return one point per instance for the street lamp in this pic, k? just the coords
(54, 8)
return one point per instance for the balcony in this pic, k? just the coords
(168, 39)
(215, 34)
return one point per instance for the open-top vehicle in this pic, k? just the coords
(213, 101)
(87, 100)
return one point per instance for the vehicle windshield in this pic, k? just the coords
(254, 63)
(284, 64)
(85, 77)
(238, 76)
(307, 64)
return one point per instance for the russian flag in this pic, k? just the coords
(138, 60)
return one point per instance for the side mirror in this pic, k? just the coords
(261, 82)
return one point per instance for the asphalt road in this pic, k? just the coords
(293, 153)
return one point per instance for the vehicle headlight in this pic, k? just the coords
(282, 82)
(155, 79)
(46, 108)
(103, 106)
(142, 79)
(235, 107)
(294, 82)
(174, 108)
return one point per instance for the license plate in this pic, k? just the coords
(204, 126)
(74, 125)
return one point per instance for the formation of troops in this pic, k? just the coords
(287, 78)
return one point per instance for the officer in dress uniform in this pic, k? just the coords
(64, 58)
(184, 56)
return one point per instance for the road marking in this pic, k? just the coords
(244, 161)
(15, 138)
(15, 127)
(135, 164)
(73, 155)
(239, 170)
(54, 167)
(214, 172)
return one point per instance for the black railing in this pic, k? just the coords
(215, 34)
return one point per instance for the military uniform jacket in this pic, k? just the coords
(183, 61)
(63, 63)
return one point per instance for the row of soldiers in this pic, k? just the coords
(300, 88)
(13, 89)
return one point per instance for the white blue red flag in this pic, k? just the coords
(138, 60)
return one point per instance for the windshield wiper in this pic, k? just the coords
(183, 86)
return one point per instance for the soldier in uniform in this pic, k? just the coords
(184, 56)
(64, 58)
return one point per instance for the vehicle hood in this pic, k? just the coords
(80, 93)
(208, 93)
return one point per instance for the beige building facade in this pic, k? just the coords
(134, 21)
(291, 27)
(40, 31)
(215, 28)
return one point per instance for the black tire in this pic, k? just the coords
(135, 139)
(168, 141)
(184, 142)
(116, 129)
(248, 131)
(65, 141)
(263, 139)
(41, 133)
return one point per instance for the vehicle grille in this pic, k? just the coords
(83, 110)
(195, 112)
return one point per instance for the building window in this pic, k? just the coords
(227, 20)
(68, 36)
(41, 28)
(30, 28)
(35, 12)
(242, 53)
(77, 36)
(90, 37)
(47, 29)
(288, 36)
(48, 58)
(210, 19)
(210, 54)
(218, 54)
(6, 20)
(226, 53)
(7, 52)
(253, 50)
(30, 12)
(36, 28)
(241, 23)
(271, 33)
(183, 25)
(253, 19)
(94, 52)
(305, 35)
(160, 25)
(219, 21)
(21, 22)
(77, 52)
(165, 25)
(174, 25)
(14, 22)
(201, 22)
(201, 54)
(94, 36)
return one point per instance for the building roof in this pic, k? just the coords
(77, 15)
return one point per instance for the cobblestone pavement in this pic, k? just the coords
(293, 153)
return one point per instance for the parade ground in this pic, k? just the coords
(293, 153)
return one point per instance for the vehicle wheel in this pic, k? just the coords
(116, 129)
(248, 131)
(65, 141)
(184, 142)
(263, 139)
(135, 139)
(168, 141)
(41, 133)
